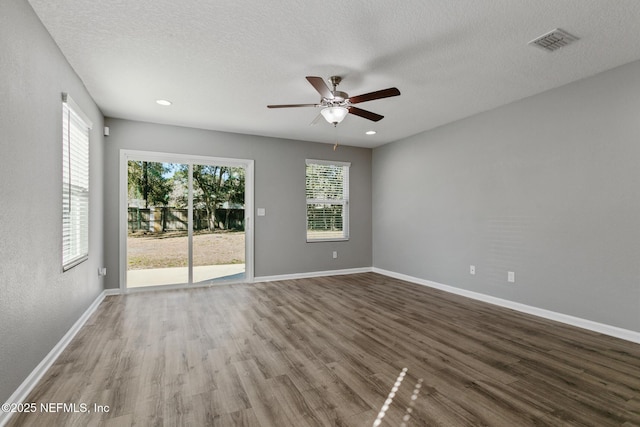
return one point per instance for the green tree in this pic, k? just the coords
(212, 187)
(207, 183)
(147, 181)
(233, 191)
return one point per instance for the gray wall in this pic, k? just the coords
(548, 187)
(279, 237)
(38, 303)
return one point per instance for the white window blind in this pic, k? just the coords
(75, 184)
(327, 184)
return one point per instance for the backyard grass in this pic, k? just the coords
(164, 250)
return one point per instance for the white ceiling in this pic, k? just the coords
(222, 62)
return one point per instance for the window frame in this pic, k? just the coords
(76, 128)
(344, 201)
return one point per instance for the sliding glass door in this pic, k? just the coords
(219, 223)
(157, 224)
(185, 220)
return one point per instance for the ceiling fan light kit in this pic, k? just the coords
(336, 104)
(334, 115)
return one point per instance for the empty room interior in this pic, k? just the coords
(320, 213)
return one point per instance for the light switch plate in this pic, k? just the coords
(262, 211)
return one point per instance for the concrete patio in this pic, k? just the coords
(179, 275)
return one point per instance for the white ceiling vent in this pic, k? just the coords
(553, 40)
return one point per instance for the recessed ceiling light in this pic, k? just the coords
(370, 132)
(163, 102)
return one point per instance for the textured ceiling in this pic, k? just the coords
(222, 62)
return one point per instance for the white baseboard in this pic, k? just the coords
(313, 274)
(22, 392)
(601, 328)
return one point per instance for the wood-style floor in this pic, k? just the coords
(326, 352)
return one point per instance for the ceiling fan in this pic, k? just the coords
(336, 105)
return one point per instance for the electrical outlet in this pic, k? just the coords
(511, 276)
(335, 254)
(472, 269)
(102, 271)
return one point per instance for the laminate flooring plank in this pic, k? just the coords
(178, 409)
(149, 411)
(122, 421)
(293, 403)
(262, 396)
(322, 402)
(458, 387)
(368, 388)
(229, 395)
(199, 375)
(571, 394)
(621, 372)
(438, 410)
(122, 396)
(244, 418)
(343, 397)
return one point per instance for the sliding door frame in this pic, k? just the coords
(152, 156)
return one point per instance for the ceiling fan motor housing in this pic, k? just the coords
(339, 98)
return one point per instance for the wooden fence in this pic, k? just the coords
(162, 219)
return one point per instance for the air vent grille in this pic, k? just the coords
(553, 40)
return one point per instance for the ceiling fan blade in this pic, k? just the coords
(316, 120)
(319, 84)
(365, 114)
(292, 105)
(384, 93)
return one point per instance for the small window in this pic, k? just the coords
(327, 200)
(75, 184)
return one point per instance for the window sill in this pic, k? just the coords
(332, 239)
(74, 263)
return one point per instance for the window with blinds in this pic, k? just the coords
(75, 184)
(327, 187)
